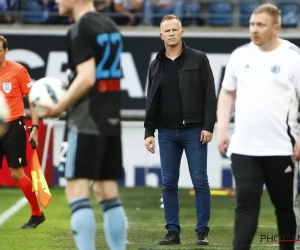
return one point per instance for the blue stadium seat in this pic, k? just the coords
(246, 10)
(220, 14)
(289, 14)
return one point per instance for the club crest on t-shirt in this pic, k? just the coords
(275, 69)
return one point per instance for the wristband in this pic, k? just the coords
(35, 126)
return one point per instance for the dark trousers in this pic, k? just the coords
(279, 174)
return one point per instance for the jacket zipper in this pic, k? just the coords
(183, 122)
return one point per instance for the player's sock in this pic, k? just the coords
(115, 224)
(83, 223)
(25, 185)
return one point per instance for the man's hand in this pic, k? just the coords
(50, 110)
(297, 150)
(167, 5)
(156, 3)
(223, 143)
(150, 144)
(131, 19)
(45, 2)
(205, 136)
(3, 129)
(34, 136)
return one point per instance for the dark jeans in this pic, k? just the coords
(172, 142)
(280, 176)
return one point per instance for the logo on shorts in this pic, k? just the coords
(288, 169)
(113, 121)
(275, 69)
(7, 87)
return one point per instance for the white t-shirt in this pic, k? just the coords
(267, 88)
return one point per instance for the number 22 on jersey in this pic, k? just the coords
(106, 41)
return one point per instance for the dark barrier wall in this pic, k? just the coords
(44, 55)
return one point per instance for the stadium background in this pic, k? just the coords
(41, 48)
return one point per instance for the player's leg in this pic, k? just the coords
(79, 162)
(25, 184)
(249, 181)
(170, 150)
(14, 146)
(106, 192)
(196, 154)
(281, 181)
(114, 216)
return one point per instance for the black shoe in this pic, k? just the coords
(202, 237)
(171, 238)
(34, 221)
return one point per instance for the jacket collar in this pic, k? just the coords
(160, 55)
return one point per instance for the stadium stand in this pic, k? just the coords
(289, 13)
(220, 13)
(209, 13)
(246, 9)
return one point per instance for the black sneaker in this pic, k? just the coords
(34, 221)
(202, 237)
(171, 238)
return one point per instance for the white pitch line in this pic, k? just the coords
(12, 210)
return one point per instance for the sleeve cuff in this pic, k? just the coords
(208, 127)
(149, 132)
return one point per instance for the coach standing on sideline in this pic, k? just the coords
(181, 104)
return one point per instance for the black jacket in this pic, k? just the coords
(197, 90)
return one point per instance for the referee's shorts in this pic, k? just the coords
(13, 144)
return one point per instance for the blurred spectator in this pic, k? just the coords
(191, 13)
(43, 12)
(7, 10)
(103, 6)
(36, 11)
(3, 5)
(155, 10)
(127, 10)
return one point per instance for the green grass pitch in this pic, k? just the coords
(145, 221)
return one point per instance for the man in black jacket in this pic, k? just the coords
(181, 104)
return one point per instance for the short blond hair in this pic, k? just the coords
(270, 9)
(4, 42)
(170, 17)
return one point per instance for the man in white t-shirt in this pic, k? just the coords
(262, 83)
